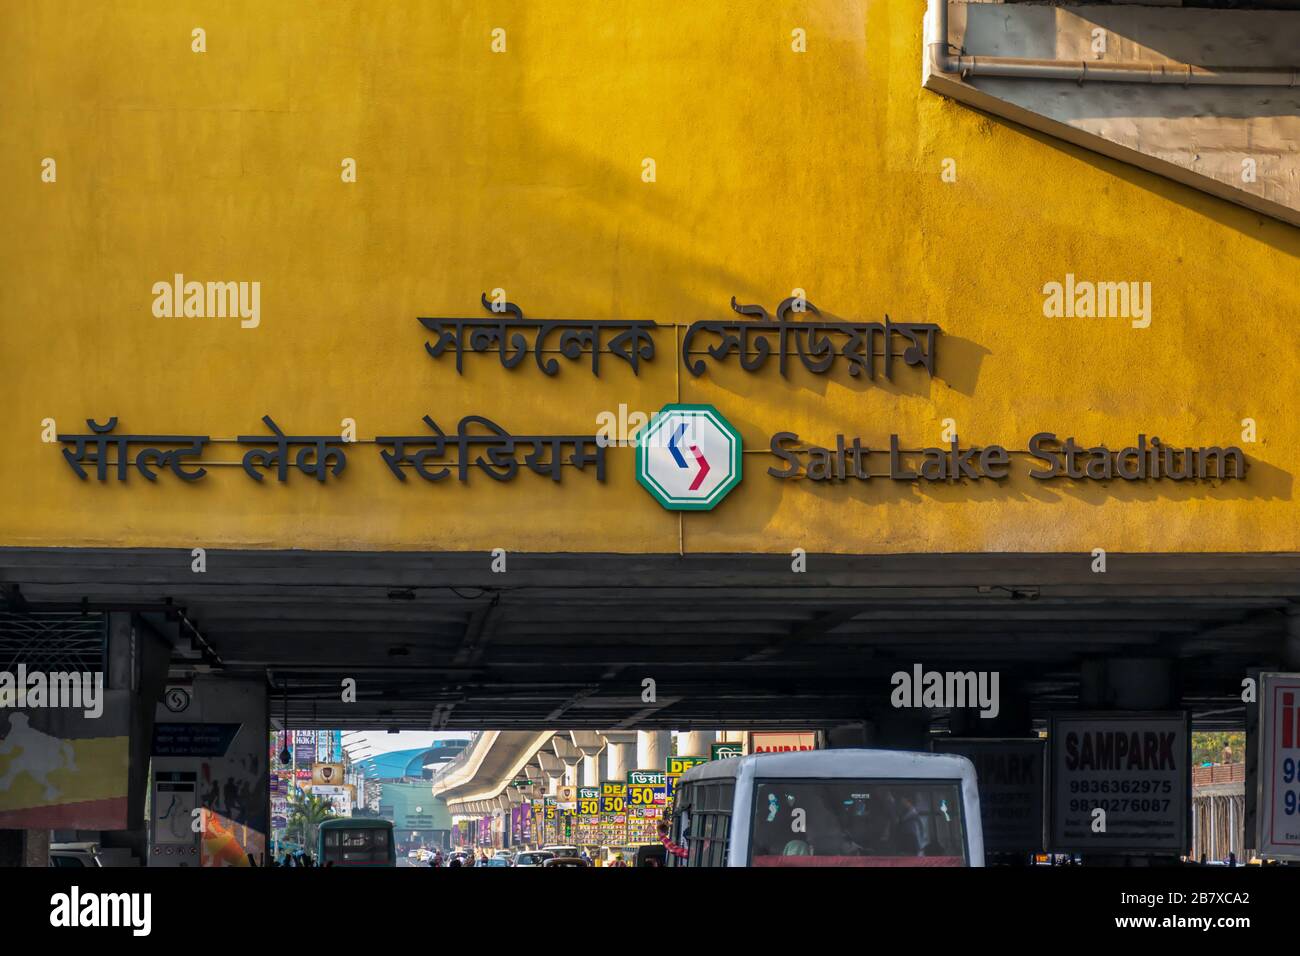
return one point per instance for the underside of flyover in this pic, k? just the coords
(439, 641)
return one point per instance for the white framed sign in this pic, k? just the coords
(1278, 779)
(1133, 766)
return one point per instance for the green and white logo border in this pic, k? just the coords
(645, 436)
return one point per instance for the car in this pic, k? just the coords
(533, 858)
(75, 855)
(565, 861)
(562, 849)
(413, 854)
(497, 861)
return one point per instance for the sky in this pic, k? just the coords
(372, 744)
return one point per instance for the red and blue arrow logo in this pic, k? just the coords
(688, 481)
(695, 453)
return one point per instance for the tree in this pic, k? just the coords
(1208, 747)
(306, 813)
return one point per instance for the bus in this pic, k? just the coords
(829, 808)
(356, 841)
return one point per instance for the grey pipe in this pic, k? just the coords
(1082, 71)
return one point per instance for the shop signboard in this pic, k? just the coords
(645, 788)
(674, 768)
(1278, 778)
(763, 742)
(1011, 774)
(1120, 782)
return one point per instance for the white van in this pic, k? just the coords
(830, 808)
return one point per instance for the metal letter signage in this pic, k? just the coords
(860, 343)
(688, 457)
(632, 344)
(817, 342)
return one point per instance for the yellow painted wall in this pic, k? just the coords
(775, 170)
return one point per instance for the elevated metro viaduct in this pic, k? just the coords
(730, 642)
(439, 641)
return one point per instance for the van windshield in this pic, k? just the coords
(846, 822)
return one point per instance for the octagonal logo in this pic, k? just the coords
(688, 457)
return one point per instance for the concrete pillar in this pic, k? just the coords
(593, 769)
(618, 753)
(1128, 683)
(652, 749)
(886, 728)
(1291, 645)
(1014, 717)
(553, 767)
(592, 747)
(571, 755)
(846, 735)
(616, 761)
(24, 848)
(696, 743)
(899, 729)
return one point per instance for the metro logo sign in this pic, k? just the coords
(688, 457)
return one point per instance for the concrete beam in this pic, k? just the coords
(1199, 136)
(566, 751)
(589, 742)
